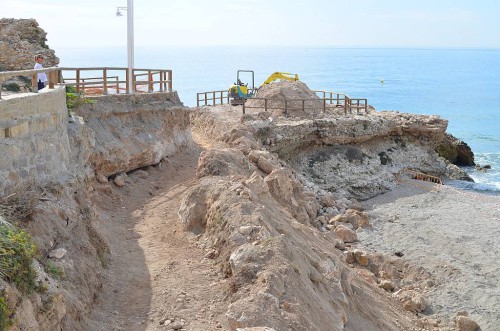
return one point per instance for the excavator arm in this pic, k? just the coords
(280, 75)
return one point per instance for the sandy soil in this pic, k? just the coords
(158, 278)
(452, 234)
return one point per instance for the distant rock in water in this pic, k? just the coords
(20, 41)
(456, 151)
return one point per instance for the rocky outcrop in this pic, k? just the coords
(20, 41)
(349, 154)
(353, 155)
(455, 172)
(455, 151)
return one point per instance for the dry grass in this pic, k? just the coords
(19, 205)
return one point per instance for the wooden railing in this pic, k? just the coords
(212, 98)
(343, 100)
(326, 100)
(52, 76)
(415, 178)
(289, 104)
(99, 80)
(106, 80)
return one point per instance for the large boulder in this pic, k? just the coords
(456, 151)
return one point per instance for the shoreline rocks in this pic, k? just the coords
(455, 151)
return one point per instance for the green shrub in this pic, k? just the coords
(4, 313)
(54, 270)
(70, 89)
(16, 256)
(74, 99)
(25, 80)
(13, 87)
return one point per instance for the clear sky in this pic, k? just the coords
(340, 23)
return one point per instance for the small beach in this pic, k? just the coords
(453, 235)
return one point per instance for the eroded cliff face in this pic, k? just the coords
(20, 41)
(353, 155)
(259, 219)
(124, 132)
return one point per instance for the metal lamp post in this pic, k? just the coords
(130, 42)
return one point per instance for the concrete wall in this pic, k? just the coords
(33, 138)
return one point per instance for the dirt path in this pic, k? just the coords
(158, 278)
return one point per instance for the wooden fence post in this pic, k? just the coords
(127, 81)
(134, 80)
(34, 83)
(51, 79)
(169, 80)
(105, 81)
(77, 80)
(150, 81)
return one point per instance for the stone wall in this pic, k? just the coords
(33, 139)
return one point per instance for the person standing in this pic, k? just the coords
(42, 76)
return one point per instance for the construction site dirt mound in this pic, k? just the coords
(286, 90)
(291, 97)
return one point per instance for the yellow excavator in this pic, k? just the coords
(240, 91)
(280, 75)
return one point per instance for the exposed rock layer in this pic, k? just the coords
(129, 132)
(354, 155)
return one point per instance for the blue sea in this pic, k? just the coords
(461, 85)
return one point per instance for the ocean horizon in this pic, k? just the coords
(458, 84)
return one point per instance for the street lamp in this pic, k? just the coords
(130, 41)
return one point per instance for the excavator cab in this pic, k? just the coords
(240, 91)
